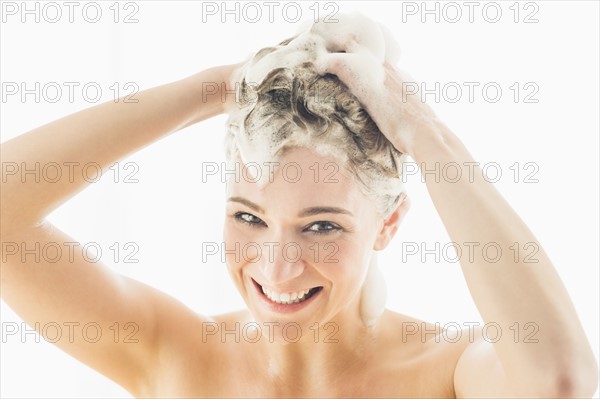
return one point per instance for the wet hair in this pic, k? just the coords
(294, 106)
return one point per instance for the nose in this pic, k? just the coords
(281, 262)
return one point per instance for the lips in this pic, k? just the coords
(287, 298)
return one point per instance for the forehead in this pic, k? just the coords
(300, 178)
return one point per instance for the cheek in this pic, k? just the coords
(232, 241)
(240, 245)
(234, 231)
(343, 263)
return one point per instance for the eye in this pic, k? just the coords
(322, 227)
(248, 218)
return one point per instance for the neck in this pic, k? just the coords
(322, 353)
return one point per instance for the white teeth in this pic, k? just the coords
(286, 297)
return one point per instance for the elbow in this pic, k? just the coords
(565, 381)
(577, 382)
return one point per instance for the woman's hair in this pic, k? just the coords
(294, 106)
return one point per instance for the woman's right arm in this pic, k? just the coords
(102, 135)
(73, 291)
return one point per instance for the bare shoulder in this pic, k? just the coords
(426, 351)
(193, 352)
(411, 330)
(190, 352)
(186, 330)
(238, 316)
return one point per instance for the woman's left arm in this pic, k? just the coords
(506, 289)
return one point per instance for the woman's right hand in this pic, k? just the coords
(222, 85)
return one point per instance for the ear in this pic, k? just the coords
(391, 224)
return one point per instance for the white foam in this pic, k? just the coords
(306, 47)
(354, 33)
(367, 45)
(373, 294)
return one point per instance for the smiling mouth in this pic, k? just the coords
(287, 298)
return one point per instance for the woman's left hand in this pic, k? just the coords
(386, 95)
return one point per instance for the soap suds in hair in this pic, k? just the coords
(266, 120)
(354, 31)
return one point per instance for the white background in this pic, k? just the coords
(170, 212)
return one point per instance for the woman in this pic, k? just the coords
(314, 326)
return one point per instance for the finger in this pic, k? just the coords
(352, 69)
(360, 72)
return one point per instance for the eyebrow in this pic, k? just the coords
(312, 211)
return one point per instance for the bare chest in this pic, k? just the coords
(235, 376)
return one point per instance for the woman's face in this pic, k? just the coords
(309, 228)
